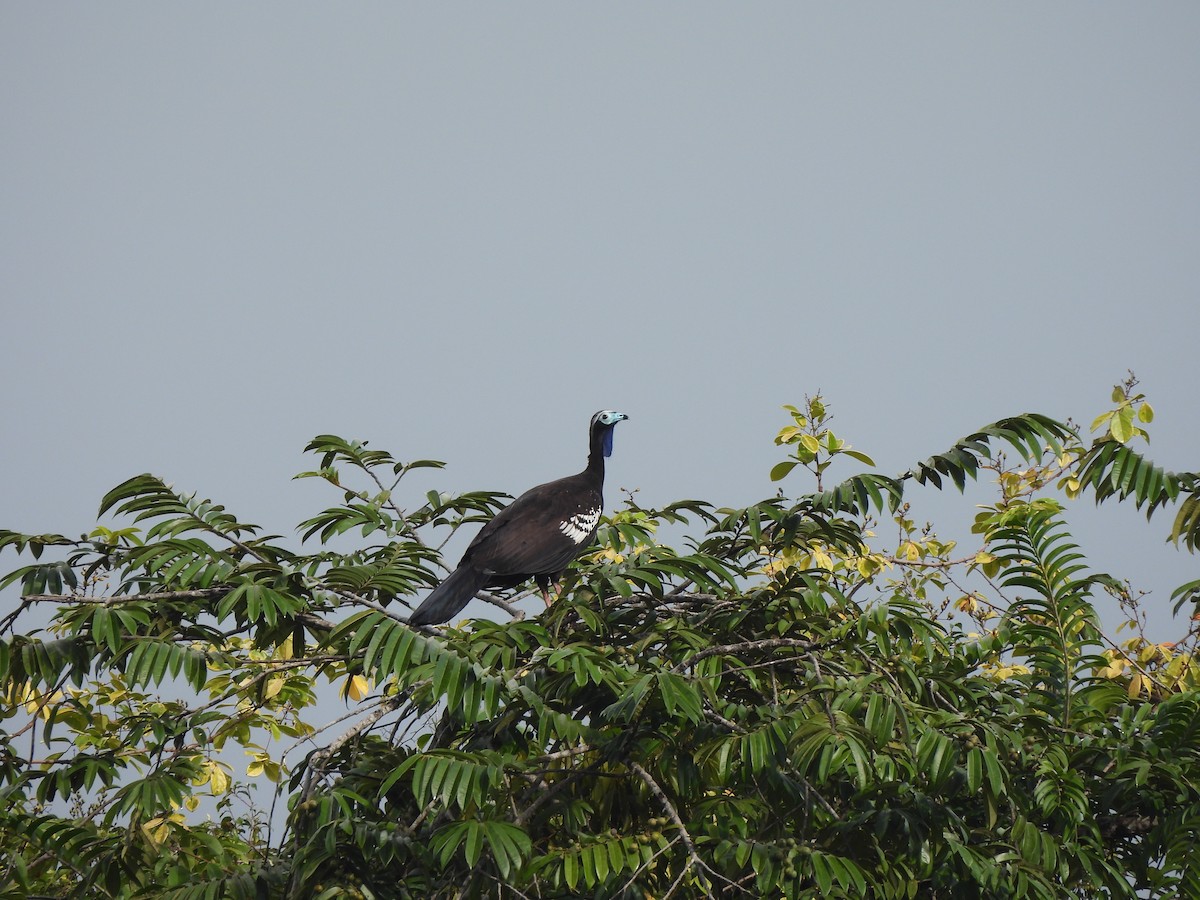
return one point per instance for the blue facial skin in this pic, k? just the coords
(610, 417)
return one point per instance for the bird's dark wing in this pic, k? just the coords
(527, 537)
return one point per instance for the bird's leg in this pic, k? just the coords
(544, 582)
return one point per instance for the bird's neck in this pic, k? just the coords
(595, 465)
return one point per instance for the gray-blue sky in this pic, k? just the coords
(458, 230)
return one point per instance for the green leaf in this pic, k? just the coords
(474, 847)
(1121, 425)
(680, 697)
(780, 470)
(1187, 523)
(571, 871)
(861, 457)
(974, 769)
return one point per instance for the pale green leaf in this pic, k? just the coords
(1121, 425)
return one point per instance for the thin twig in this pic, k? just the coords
(721, 720)
(933, 563)
(669, 808)
(113, 600)
(729, 649)
(563, 754)
(646, 865)
(319, 757)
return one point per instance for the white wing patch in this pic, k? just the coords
(579, 527)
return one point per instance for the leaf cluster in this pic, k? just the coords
(779, 706)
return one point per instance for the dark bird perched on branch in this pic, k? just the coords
(535, 536)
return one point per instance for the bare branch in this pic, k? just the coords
(318, 758)
(489, 597)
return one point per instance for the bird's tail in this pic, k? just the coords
(449, 597)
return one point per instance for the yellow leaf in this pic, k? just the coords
(273, 686)
(822, 559)
(358, 688)
(285, 649)
(217, 779)
(773, 567)
(1146, 413)
(1176, 665)
(39, 704)
(190, 803)
(1135, 686)
(158, 829)
(155, 830)
(810, 443)
(786, 435)
(1006, 672)
(983, 558)
(1114, 669)
(255, 768)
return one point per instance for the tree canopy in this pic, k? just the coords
(786, 704)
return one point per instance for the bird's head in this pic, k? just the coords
(602, 424)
